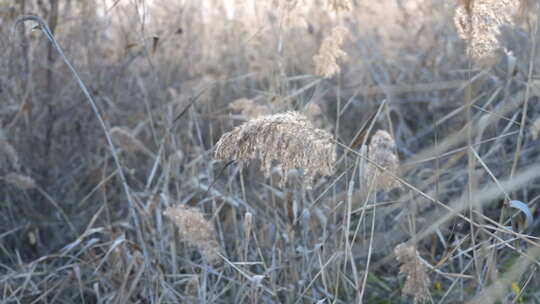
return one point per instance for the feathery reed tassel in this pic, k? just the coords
(196, 230)
(381, 151)
(288, 138)
(326, 61)
(249, 108)
(8, 154)
(291, 13)
(315, 114)
(20, 181)
(478, 23)
(125, 140)
(340, 5)
(417, 282)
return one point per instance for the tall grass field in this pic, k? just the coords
(269, 151)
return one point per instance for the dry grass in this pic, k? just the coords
(130, 111)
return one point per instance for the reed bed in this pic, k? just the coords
(288, 151)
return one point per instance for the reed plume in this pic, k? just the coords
(8, 154)
(478, 23)
(535, 128)
(196, 230)
(291, 14)
(125, 140)
(417, 282)
(20, 181)
(288, 138)
(330, 52)
(315, 114)
(340, 6)
(249, 108)
(381, 151)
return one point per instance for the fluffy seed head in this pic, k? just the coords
(417, 282)
(20, 181)
(340, 5)
(330, 52)
(535, 128)
(8, 154)
(292, 14)
(248, 224)
(249, 108)
(125, 140)
(478, 23)
(381, 150)
(315, 114)
(288, 138)
(196, 230)
(175, 161)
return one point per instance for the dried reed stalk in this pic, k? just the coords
(417, 282)
(330, 52)
(288, 138)
(196, 230)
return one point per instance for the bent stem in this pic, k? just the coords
(42, 25)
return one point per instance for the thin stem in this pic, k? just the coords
(46, 30)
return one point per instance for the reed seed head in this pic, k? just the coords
(249, 108)
(125, 140)
(315, 114)
(330, 52)
(291, 12)
(288, 138)
(196, 230)
(535, 128)
(478, 23)
(340, 6)
(8, 154)
(381, 150)
(417, 282)
(20, 181)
